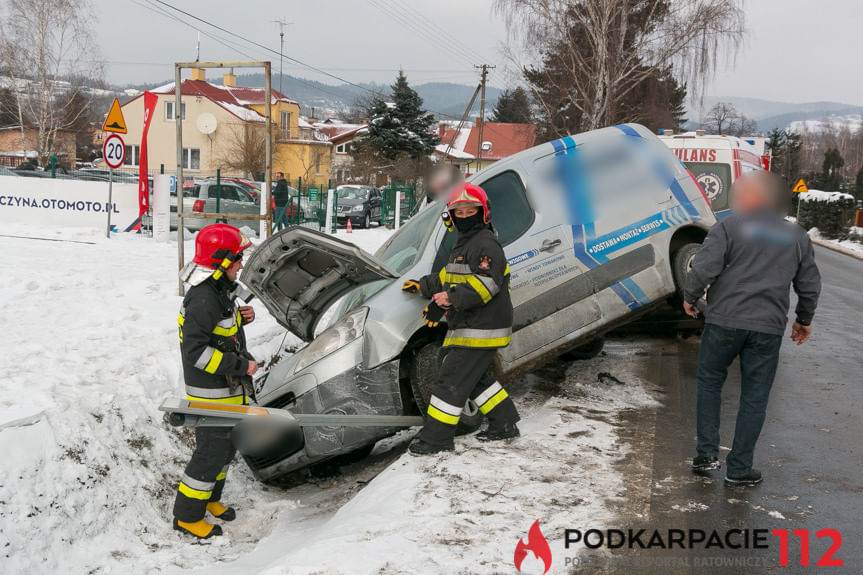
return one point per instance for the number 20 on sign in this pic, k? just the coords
(114, 151)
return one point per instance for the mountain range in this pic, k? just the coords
(447, 100)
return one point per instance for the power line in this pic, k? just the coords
(262, 46)
(443, 32)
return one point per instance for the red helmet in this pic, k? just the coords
(469, 195)
(218, 242)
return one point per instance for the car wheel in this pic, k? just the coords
(681, 262)
(588, 350)
(424, 375)
(367, 221)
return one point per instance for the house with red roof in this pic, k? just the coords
(461, 146)
(224, 122)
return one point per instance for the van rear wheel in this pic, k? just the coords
(681, 263)
(424, 375)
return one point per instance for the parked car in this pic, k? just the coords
(362, 205)
(7, 172)
(598, 228)
(201, 197)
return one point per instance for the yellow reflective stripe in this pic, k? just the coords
(442, 276)
(180, 319)
(225, 331)
(221, 476)
(506, 271)
(479, 288)
(193, 493)
(235, 400)
(441, 416)
(492, 403)
(214, 362)
(472, 281)
(477, 342)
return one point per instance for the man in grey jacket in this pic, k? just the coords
(748, 261)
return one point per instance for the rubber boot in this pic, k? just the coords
(220, 511)
(200, 529)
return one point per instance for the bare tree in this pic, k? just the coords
(48, 50)
(245, 149)
(723, 118)
(604, 49)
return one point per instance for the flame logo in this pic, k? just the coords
(535, 542)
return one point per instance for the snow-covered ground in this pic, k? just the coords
(90, 469)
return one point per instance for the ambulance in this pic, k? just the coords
(716, 161)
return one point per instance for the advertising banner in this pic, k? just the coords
(67, 203)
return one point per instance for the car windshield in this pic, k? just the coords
(352, 193)
(399, 253)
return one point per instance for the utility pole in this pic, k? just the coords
(282, 24)
(485, 68)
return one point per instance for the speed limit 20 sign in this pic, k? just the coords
(114, 151)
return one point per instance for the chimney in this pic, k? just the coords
(199, 74)
(229, 80)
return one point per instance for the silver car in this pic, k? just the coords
(202, 197)
(598, 229)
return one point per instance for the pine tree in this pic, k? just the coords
(400, 126)
(831, 170)
(512, 107)
(858, 185)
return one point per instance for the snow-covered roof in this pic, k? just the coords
(235, 99)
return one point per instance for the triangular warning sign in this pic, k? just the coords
(115, 122)
(800, 187)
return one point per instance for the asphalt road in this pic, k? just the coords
(810, 452)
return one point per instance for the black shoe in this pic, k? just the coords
(705, 463)
(420, 447)
(751, 477)
(506, 432)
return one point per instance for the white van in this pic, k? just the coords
(717, 161)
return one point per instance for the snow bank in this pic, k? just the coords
(90, 469)
(819, 196)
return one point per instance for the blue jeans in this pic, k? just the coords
(759, 356)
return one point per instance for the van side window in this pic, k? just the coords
(511, 213)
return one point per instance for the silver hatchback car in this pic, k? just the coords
(598, 228)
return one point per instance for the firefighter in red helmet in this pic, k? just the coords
(473, 292)
(216, 368)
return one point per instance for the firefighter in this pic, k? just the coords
(216, 368)
(473, 292)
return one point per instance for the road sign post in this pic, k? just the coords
(114, 154)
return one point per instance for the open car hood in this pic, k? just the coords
(297, 273)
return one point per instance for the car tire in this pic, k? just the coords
(424, 371)
(367, 221)
(681, 262)
(585, 351)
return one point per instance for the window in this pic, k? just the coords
(133, 155)
(285, 125)
(191, 159)
(228, 192)
(169, 110)
(715, 179)
(318, 163)
(511, 214)
(342, 148)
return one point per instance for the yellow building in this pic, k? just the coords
(224, 128)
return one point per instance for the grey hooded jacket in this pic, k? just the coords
(749, 262)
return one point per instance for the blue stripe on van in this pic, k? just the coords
(666, 175)
(581, 217)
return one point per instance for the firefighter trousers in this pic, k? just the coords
(464, 373)
(205, 474)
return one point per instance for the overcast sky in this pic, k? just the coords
(796, 51)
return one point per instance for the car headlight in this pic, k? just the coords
(344, 331)
(358, 208)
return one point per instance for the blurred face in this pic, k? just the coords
(465, 211)
(750, 194)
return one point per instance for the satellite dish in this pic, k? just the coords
(206, 123)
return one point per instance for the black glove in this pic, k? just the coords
(433, 313)
(411, 286)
